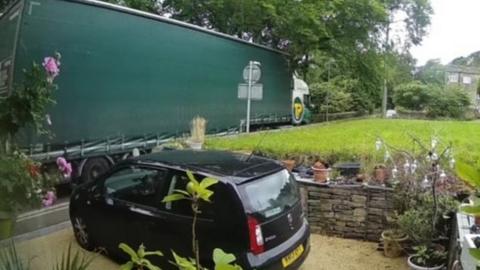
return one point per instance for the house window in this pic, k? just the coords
(467, 80)
(453, 78)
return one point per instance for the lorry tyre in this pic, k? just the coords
(93, 168)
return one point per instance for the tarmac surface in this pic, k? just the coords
(327, 253)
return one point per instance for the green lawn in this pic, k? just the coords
(355, 139)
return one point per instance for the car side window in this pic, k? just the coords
(179, 180)
(136, 185)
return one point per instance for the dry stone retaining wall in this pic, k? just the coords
(350, 211)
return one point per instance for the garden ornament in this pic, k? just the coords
(406, 167)
(378, 144)
(452, 163)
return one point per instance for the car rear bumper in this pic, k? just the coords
(272, 259)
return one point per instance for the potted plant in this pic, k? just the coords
(427, 258)
(425, 234)
(380, 173)
(393, 239)
(20, 188)
(320, 172)
(288, 162)
(197, 133)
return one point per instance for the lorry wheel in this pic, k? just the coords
(93, 168)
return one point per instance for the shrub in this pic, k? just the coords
(339, 99)
(450, 102)
(20, 185)
(413, 95)
(27, 104)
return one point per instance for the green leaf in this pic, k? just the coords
(205, 194)
(220, 257)
(192, 178)
(475, 253)
(206, 182)
(127, 266)
(183, 263)
(227, 267)
(150, 266)
(153, 253)
(181, 192)
(471, 209)
(127, 249)
(174, 197)
(141, 251)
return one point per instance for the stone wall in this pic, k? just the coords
(350, 211)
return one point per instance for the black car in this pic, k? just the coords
(255, 213)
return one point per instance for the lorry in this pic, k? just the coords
(131, 80)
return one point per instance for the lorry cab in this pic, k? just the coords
(300, 102)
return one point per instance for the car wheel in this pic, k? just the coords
(93, 168)
(81, 232)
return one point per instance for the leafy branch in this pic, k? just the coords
(195, 192)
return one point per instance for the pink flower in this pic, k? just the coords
(64, 166)
(51, 66)
(49, 199)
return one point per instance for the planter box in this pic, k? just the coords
(468, 262)
(349, 169)
(465, 239)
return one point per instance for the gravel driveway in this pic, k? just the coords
(327, 253)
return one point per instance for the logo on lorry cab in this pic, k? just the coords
(298, 111)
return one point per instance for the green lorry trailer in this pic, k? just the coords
(132, 80)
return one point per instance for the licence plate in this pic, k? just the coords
(293, 256)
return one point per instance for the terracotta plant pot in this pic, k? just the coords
(477, 220)
(289, 164)
(361, 177)
(320, 172)
(380, 174)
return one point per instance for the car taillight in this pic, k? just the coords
(256, 237)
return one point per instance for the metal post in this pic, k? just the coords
(385, 90)
(327, 97)
(328, 91)
(249, 94)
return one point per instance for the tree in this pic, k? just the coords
(413, 95)
(297, 27)
(433, 72)
(151, 6)
(452, 102)
(4, 4)
(334, 96)
(416, 15)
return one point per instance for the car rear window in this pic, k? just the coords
(270, 195)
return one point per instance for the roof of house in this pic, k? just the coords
(462, 69)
